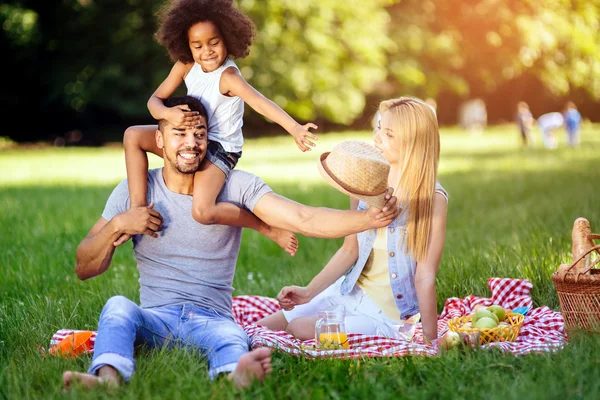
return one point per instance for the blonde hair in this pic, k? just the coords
(414, 124)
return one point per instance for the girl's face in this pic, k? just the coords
(207, 45)
(385, 139)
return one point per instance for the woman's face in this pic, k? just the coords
(385, 139)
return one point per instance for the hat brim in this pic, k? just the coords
(377, 201)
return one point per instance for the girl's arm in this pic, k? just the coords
(427, 270)
(233, 84)
(177, 116)
(337, 266)
(136, 142)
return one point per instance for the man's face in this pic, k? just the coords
(184, 147)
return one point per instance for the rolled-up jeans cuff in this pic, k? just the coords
(123, 365)
(214, 372)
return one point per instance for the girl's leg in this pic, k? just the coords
(208, 182)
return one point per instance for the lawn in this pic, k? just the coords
(510, 215)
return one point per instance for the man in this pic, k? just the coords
(186, 269)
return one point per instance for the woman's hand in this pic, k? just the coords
(291, 296)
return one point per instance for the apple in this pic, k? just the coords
(483, 313)
(485, 323)
(499, 311)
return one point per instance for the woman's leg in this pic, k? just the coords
(276, 322)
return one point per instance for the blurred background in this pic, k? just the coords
(81, 71)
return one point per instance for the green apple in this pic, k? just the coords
(484, 313)
(499, 311)
(485, 323)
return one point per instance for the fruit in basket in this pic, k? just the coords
(499, 311)
(505, 331)
(485, 323)
(483, 313)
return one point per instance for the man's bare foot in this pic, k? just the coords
(285, 239)
(88, 381)
(251, 366)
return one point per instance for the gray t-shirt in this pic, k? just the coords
(189, 262)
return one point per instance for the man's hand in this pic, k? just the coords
(138, 220)
(381, 218)
(291, 296)
(302, 136)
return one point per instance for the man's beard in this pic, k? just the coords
(186, 168)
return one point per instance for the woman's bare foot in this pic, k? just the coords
(251, 366)
(285, 239)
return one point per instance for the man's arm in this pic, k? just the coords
(283, 213)
(95, 252)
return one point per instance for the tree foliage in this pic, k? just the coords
(86, 59)
(473, 46)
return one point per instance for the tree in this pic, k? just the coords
(318, 57)
(473, 46)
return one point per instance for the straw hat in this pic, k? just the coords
(357, 169)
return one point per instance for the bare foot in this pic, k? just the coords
(88, 381)
(251, 366)
(285, 239)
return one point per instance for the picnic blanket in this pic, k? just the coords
(542, 330)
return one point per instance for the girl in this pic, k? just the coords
(385, 278)
(202, 37)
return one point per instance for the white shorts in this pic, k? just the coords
(363, 316)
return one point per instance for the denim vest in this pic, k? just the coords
(400, 264)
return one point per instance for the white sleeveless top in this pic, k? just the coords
(225, 114)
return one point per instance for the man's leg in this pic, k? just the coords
(122, 325)
(226, 346)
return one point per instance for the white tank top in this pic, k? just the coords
(225, 114)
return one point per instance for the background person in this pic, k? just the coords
(548, 124)
(572, 124)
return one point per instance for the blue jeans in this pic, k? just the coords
(124, 325)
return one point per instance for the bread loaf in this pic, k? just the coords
(581, 243)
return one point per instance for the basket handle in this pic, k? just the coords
(581, 256)
(594, 236)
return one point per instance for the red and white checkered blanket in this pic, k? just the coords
(542, 330)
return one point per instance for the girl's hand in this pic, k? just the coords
(181, 116)
(302, 136)
(291, 296)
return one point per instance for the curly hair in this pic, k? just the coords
(176, 17)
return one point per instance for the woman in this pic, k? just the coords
(385, 278)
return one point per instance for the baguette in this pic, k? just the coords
(581, 243)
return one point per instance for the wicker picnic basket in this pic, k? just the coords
(498, 334)
(578, 283)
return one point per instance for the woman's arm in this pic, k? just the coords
(233, 84)
(426, 271)
(337, 266)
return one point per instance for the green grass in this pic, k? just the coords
(510, 215)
